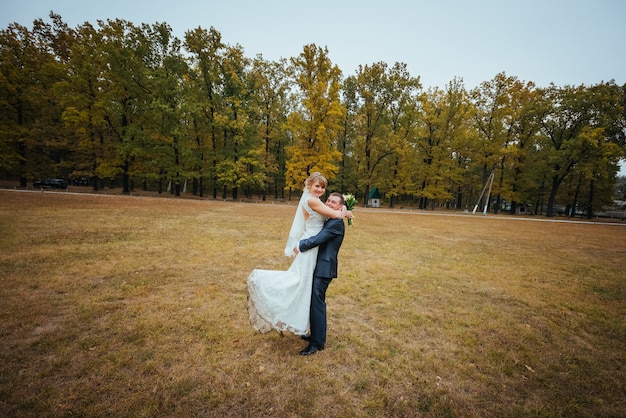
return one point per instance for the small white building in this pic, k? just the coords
(373, 199)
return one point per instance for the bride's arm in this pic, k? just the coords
(324, 210)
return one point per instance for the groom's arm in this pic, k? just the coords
(331, 228)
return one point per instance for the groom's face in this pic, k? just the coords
(333, 202)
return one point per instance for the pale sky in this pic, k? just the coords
(567, 42)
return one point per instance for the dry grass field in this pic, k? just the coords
(136, 307)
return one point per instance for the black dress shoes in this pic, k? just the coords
(311, 349)
(306, 337)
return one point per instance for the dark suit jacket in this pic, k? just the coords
(329, 240)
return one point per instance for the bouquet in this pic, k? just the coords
(350, 203)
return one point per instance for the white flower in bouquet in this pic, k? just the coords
(350, 201)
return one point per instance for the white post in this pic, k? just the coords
(490, 181)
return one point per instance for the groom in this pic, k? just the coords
(329, 240)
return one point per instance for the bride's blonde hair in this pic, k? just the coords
(316, 176)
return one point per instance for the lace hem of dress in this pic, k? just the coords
(264, 326)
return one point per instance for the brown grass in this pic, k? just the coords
(131, 306)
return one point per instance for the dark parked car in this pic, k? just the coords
(50, 184)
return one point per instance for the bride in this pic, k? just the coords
(280, 300)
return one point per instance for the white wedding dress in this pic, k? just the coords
(280, 300)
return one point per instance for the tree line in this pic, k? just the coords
(135, 106)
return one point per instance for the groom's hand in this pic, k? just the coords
(295, 250)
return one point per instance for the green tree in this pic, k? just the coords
(442, 171)
(271, 90)
(576, 121)
(523, 135)
(590, 184)
(381, 100)
(383, 109)
(165, 153)
(206, 49)
(507, 126)
(127, 93)
(404, 114)
(371, 146)
(32, 65)
(241, 162)
(494, 120)
(18, 57)
(347, 179)
(86, 107)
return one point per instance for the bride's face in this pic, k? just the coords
(317, 189)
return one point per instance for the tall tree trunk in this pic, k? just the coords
(125, 177)
(572, 210)
(590, 201)
(555, 186)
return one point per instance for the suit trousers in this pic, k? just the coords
(318, 311)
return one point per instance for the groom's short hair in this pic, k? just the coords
(340, 196)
